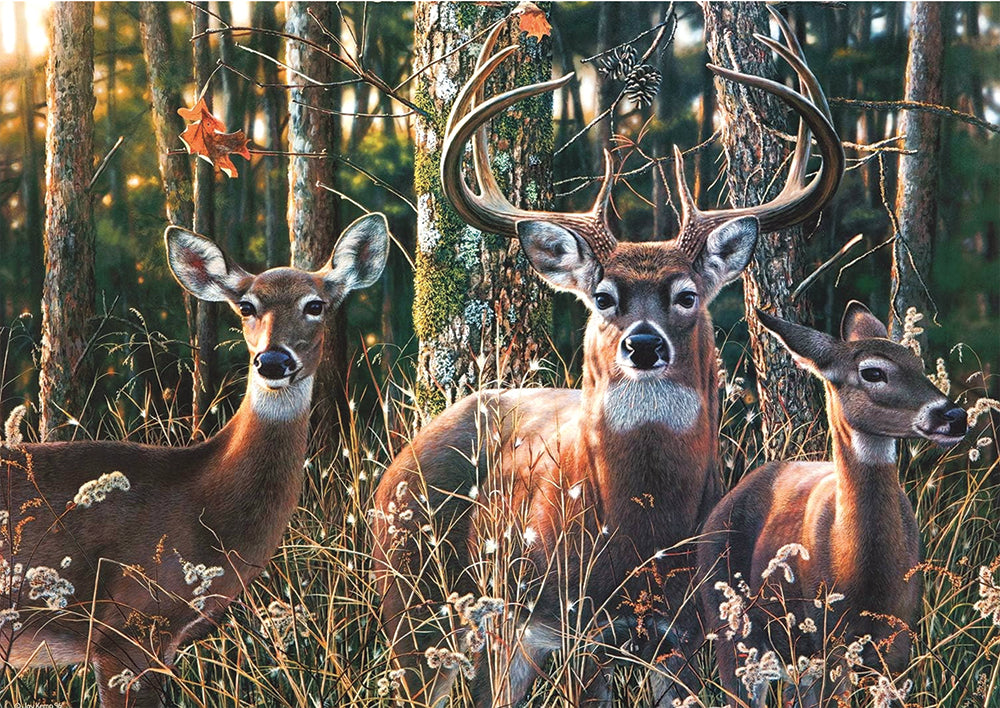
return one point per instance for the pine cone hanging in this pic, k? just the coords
(642, 84)
(619, 62)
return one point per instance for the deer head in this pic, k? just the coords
(879, 385)
(645, 297)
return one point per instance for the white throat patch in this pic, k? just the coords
(873, 449)
(629, 404)
(281, 404)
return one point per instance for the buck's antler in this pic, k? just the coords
(490, 210)
(797, 200)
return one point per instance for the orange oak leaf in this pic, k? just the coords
(207, 138)
(532, 20)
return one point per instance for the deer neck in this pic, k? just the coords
(255, 474)
(652, 439)
(866, 526)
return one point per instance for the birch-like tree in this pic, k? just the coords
(480, 313)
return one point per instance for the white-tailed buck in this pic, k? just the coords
(852, 524)
(116, 552)
(600, 486)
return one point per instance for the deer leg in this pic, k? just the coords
(504, 675)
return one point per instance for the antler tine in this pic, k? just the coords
(797, 201)
(490, 210)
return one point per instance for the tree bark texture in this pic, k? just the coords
(917, 184)
(791, 415)
(480, 314)
(204, 223)
(165, 98)
(68, 294)
(313, 212)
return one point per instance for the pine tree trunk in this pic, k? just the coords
(68, 294)
(917, 184)
(313, 212)
(204, 223)
(791, 416)
(480, 314)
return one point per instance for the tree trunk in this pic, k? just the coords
(204, 223)
(313, 212)
(791, 417)
(916, 191)
(165, 99)
(68, 294)
(30, 182)
(480, 313)
(275, 171)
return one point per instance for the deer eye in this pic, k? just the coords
(686, 299)
(873, 374)
(604, 301)
(247, 309)
(314, 308)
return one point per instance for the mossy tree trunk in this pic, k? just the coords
(480, 314)
(791, 415)
(68, 293)
(313, 212)
(917, 184)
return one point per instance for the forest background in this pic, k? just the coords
(135, 368)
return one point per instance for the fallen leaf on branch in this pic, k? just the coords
(207, 138)
(532, 20)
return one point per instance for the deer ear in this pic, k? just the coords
(860, 323)
(564, 260)
(812, 350)
(358, 257)
(202, 268)
(727, 252)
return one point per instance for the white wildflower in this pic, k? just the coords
(884, 694)
(940, 379)
(989, 592)
(853, 656)
(283, 621)
(12, 427)
(388, 685)
(911, 330)
(807, 626)
(780, 560)
(65, 563)
(982, 405)
(125, 681)
(733, 611)
(756, 673)
(97, 490)
(974, 454)
(447, 659)
(9, 615)
(45, 584)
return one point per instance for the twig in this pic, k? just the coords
(825, 266)
(428, 65)
(918, 106)
(366, 210)
(104, 163)
(332, 112)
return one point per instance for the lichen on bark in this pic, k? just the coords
(475, 293)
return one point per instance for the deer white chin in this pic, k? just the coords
(651, 400)
(288, 400)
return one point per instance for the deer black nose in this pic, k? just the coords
(644, 350)
(275, 364)
(956, 419)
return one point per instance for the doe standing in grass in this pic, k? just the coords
(118, 552)
(848, 520)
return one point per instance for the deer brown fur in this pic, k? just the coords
(220, 504)
(850, 514)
